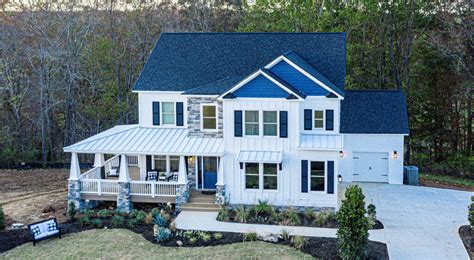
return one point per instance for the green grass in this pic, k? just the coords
(121, 243)
(449, 180)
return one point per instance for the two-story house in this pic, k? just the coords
(252, 116)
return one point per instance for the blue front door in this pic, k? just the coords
(210, 172)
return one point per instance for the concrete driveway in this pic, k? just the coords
(420, 222)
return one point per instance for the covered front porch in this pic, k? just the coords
(160, 170)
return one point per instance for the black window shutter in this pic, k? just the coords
(330, 180)
(179, 114)
(238, 123)
(330, 119)
(304, 176)
(148, 163)
(284, 124)
(307, 119)
(156, 113)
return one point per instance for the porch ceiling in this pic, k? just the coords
(135, 139)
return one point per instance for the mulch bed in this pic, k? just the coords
(467, 236)
(325, 248)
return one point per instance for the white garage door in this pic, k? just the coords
(370, 167)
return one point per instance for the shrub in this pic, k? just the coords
(140, 216)
(192, 240)
(163, 234)
(204, 236)
(189, 234)
(241, 214)
(160, 221)
(372, 215)
(154, 212)
(320, 219)
(103, 213)
(89, 213)
(132, 223)
(298, 242)
(251, 236)
(285, 235)
(172, 226)
(309, 213)
(149, 219)
(263, 211)
(117, 221)
(330, 216)
(84, 221)
(133, 213)
(291, 215)
(471, 213)
(2, 219)
(217, 236)
(223, 214)
(71, 211)
(96, 223)
(168, 208)
(353, 229)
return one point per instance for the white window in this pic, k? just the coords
(317, 176)
(160, 163)
(251, 123)
(270, 176)
(270, 123)
(209, 117)
(174, 163)
(318, 119)
(168, 113)
(252, 176)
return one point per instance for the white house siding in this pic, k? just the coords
(145, 106)
(320, 103)
(289, 178)
(387, 143)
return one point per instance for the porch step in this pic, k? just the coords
(200, 202)
(202, 199)
(201, 209)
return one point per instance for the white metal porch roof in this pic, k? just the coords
(260, 156)
(135, 139)
(320, 142)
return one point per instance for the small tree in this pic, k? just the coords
(353, 232)
(471, 213)
(372, 214)
(2, 218)
(71, 211)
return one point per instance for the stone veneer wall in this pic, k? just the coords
(74, 195)
(220, 194)
(182, 195)
(124, 202)
(194, 117)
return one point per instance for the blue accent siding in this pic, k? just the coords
(179, 114)
(304, 176)
(261, 87)
(297, 79)
(330, 180)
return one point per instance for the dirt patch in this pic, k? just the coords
(438, 184)
(467, 237)
(26, 194)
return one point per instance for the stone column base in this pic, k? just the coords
(74, 195)
(220, 194)
(182, 195)
(124, 203)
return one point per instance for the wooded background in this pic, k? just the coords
(67, 70)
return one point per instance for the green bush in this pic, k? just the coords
(291, 216)
(204, 236)
(471, 213)
(285, 235)
(298, 242)
(163, 234)
(133, 223)
(320, 219)
(141, 216)
(353, 232)
(103, 213)
(133, 213)
(2, 219)
(117, 221)
(241, 214)
(263, 211)
(155, 211)
(251, 236)
(223, 214)
(84, 221)
(217, 236)
(309, 213)
(160, 221)
(96, 223)
(89, 213)
(71, 211)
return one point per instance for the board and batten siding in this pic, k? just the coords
(289, 178)
(323, 104)
(145, 107)
(386, 143)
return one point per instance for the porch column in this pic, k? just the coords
(99, 160)
(182, 189)
(124, 203)
(74, 185)
(220, 186)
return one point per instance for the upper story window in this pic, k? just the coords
(317, 176)
(270, 123)
(318, 119)
(209, 117)
(168, 113)
(251, 123)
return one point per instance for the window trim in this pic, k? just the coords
(252, 174)
(277, 123)
(261, 178)
(323, 128)
(257, 123)
(202, 117)
(174, 113)
(272, 175)
(261, 123)
(325, 178)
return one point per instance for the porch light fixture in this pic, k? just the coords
(191, 159)
(339, 178)
(341, 153)
(395, 155)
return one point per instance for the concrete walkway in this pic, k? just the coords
(420, 223)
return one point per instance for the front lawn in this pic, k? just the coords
(122, 243)
(444, 181)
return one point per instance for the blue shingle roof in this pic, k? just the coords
(216, 87)
(374, 112)
(183, 61)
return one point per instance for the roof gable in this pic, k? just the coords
(260, 87)
(183, 61)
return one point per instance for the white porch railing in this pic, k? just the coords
(153, 189)
(99, 186)
(93, 173)
(112, 162)
(132, 160)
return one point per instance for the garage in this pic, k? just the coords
(370, 166)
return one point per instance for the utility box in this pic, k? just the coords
(411, 175)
